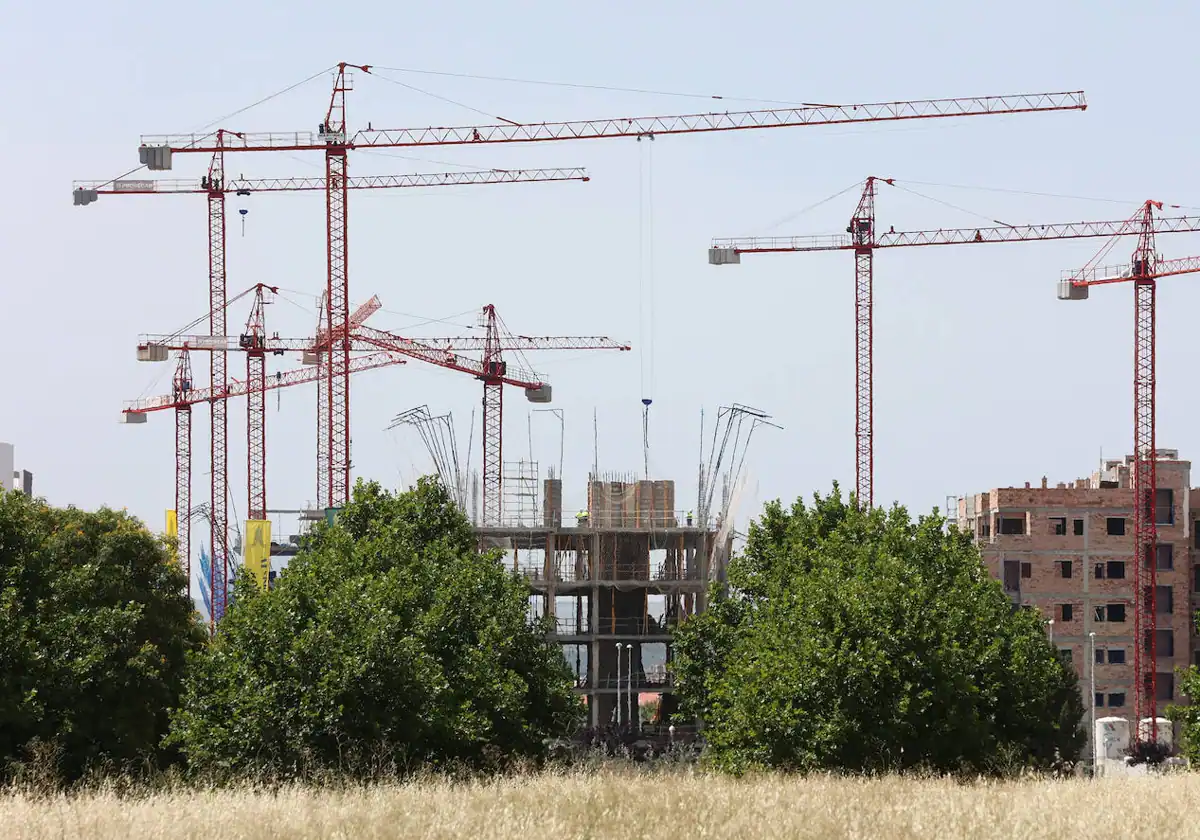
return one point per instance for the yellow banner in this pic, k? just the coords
(258, 551)
(173, 528)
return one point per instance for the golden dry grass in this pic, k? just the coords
(662, 806)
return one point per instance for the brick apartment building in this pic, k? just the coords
(1067, 551)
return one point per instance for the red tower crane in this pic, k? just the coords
(1143, 271)
(253, 341)
(181, 384)
(215, 186)
(182, 397)
(492, 370)
(495, 373)
(334, 141)
(863, 240)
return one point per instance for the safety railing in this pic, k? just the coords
(566, 625)
(666, 570)
(657, 681)
(633, 626)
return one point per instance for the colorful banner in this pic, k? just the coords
(206, 580)
(257, 552)
(173, 529)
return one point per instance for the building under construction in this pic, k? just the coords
(616, 579)
(1067, 551)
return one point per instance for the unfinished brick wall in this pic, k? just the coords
(1049, 537)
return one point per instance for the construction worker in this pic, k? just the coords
(689, 519)
(581, 519)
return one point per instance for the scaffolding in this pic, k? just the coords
(519, 494)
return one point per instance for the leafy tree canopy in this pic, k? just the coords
(863, 641)
(1188, 716)
(389, 642)
(94, 625)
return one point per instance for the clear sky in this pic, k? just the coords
(983, 378)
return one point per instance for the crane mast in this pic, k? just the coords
(218, 439)
(1145, 486)
(322, 367)
(862, 231)
(493, 420)
(181, 385)
(337, 300)
(254, 343)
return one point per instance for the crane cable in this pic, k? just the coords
(608, 88)
(438, 96)
(1124, 201)
(646, 288)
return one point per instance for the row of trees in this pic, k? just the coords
(391, 644)
(846, 639)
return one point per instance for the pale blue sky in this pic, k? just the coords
(983, 378)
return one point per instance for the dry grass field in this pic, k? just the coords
(662, 806)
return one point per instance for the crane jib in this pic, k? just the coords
(158, 148)
(949, 236)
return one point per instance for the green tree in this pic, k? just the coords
(859, 640)
(94, 626)
(1188, 716)
(389, 642)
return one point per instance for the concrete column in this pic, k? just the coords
(594, 648)
(550, 572)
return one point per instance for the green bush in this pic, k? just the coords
(389, 644)
(863, 641)
(1188, 716)
(94, 626)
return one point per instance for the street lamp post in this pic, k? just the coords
(629, 686)
(618, 685)
(1051, 625)
(1092, 681)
